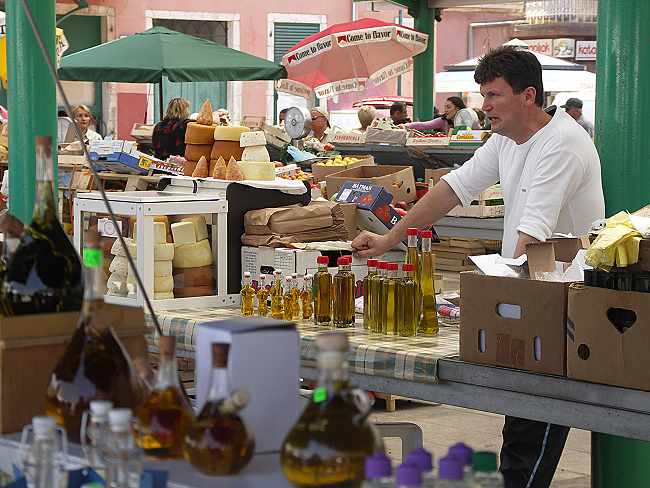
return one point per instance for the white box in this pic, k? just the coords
(264, 360)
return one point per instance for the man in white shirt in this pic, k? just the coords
(550, 175)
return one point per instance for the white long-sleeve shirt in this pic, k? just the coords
(551, 183)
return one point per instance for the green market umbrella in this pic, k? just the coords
(147, 57)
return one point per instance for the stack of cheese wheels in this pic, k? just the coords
(256, 163)
(193, 269)
(163, 255)
(119, 269)
(199, 138)
(226, 144)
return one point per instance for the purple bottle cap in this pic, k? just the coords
(462, 452)
(421, 458)
(450, 468)
(408, 475)
(377, 466)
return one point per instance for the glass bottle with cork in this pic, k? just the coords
(262, 298)
(330, 441)
(343, 296)
(287, 303)
(218, 442)
(95, 364)
(408, 303)
(429, 322)
(323, 293)
(165, 415)
(44, 273)
(277, 296)
(247, 296)
(379, 306)
(306, 297)
(389, 292)
(368, 283)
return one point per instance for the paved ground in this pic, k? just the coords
(444, 426)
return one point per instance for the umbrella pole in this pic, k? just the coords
(160, 98)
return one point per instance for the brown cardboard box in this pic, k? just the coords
(31, 346)
(435, 174)
(398, 180)
(487, 337)
(350, 214)
(644, 254)
(321, 172)
(601, 346)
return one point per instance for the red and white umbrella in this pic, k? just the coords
(344, 57)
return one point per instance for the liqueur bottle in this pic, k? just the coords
(247, 295)
(295, 297)
(323, 293)
(277, 296)
(429, 321)
(378, 302)
(306, 297)
(287, 303)
(343, 294)
(262, 298)
(368, 284)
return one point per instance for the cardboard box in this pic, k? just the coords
(489, 336)
(350, 214)
(606, 345)
(393, 137)
(264, 360)
(29, 352)
(644, 254)
(435, 174)
(321, 172)
(397, 180)
(478, 211)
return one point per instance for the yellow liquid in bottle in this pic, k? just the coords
(408, 306)
(277, 298)
(295, 302)
(343, 298)
(429, 321)
(390, 297)
(367, 299)
(288, 305)
(247, 295)
(306, 299)
(376, 301)
(262, 301)
(323, 297)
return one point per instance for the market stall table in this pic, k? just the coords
(470, 227)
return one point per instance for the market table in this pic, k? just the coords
(470, 227)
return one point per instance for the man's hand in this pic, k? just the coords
(368, 244)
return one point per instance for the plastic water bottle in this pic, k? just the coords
(463, 453)
(485, 470)
(408, 476)
(122, 456)
(94, 432)
(423, 460)
(450, 474)
(378, 472)
(41, 465)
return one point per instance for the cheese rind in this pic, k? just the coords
(162, 268)
(116, 284)
(200, 227)
(193, 152)
(226, 150)
(163, 252)
(119, 265)
(199, 134)
(184, 233)
(258, 170)
(255, 153)
(163, 284)
(118, 250)
(159, 233)
(193, 255)
(252, 138)
(229, 132)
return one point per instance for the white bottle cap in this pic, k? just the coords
(99, 409)
(295, 276)
(247, 274)
(43, 426)
(120, 419)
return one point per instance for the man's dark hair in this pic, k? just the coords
(520, 69)
(457, 102)
(398, 107)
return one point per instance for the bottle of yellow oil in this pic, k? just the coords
(306, 297)
(378, 304)
(322, 293)
(288, 297)
(429, 321)
(408, 302)
(295, 296)
(262, 297)
(247, 295)
(367, 294)
(412, 251)
(277, 296)
(390, 298)
(343, 296)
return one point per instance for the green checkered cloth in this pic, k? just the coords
(410, 358)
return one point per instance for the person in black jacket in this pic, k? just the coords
(169, 134)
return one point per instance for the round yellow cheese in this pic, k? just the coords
(193, 152)
(229, 132)
(258, 170)
(199, 134)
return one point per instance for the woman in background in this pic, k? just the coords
(366, 114)
(84, 119)
(169, 134)
(459, 115)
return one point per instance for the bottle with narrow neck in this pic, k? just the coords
(368, 316)
(323, 293)
(94, 429)
(247, 296)
(378, 303)
(330, 441)
(95, 365)
(343, 294)
(287, 303)
(277, 296)
(429, 321)
(219, 442)
(44, 273)
(262, 298)
(295, 296)
(165, 415)
(306, 297)
(412, 256)
(120, 452)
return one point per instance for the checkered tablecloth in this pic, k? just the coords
(410, 358)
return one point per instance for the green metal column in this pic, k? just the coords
(423, 64)
(31, 98)
(623, 102)
(619, 462)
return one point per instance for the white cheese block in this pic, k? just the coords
(119, 265)
(255, 153)
(253, 138)
(163, 284)
(258, 170)
(183, 233)
(200, 227)
(163, 252)
(229, 133)
(193, 255)
(118, 250)
(159, 233)
(163, 295)
(162, 268)
(116, 284)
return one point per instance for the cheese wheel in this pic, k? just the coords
(163, 252)
(116, 284)
(157, 218)
(229, 133)
(226, 150)
(183, 233)
(200, 227)
(162, 268)
(252, 138)
(193, 152)
(255, 153)
(159, 233)
(203, 276)
(118, 250)
(257, 170)
(163, 284)
(193, 255)
(199, 134)
(163, 295)
(189, 167)
(193, 291)
(119, 265)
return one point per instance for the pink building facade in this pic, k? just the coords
(250, 26)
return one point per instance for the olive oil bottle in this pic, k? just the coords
(262, 298)
(379, 306)
(247, 295)
(367, 294)
(288, 297)
(277, 296)
(323, 293)
(429, 321)
(390, 299)
(343, 296)
(306, 297)
(295, 297)
(412, 256)
(408, 303)
(328, 444)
